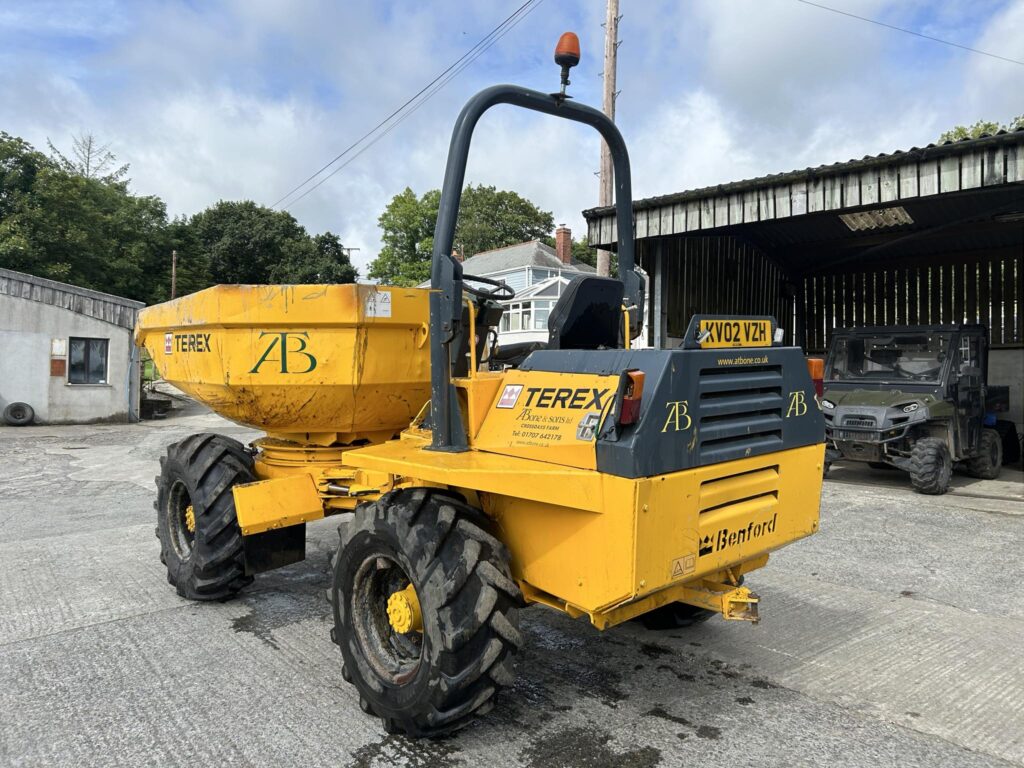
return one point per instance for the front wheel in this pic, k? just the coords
(425, 611)
(930, 466)
(200, 541)
(988, 462)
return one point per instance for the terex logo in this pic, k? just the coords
(189, 342)
(588, 398)
(716, 542)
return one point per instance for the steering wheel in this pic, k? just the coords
(920, 375)
(501, 291)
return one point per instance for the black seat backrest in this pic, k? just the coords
(588, 315)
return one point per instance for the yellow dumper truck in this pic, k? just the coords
(603, 481)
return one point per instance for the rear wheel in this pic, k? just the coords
(930, 466)
(988, 463)
(200, 541)
(425, 611)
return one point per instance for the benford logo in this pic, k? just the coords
(716, 542)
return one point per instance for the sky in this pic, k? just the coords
(244, 99)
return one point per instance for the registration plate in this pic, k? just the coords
(715, 334)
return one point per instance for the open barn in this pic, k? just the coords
(924, 236)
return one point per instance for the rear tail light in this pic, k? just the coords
(631, 397)
(816, 368)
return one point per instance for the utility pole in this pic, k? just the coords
(174, 273)
(611, 47)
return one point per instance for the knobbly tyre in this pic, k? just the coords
(606, 482)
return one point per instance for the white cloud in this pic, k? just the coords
(246, 99)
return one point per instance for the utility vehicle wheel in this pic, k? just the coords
(200, 541)
(425, 611)
(989, 461)
(930, 466)
(19, 414)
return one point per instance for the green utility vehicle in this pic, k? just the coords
(915, 398)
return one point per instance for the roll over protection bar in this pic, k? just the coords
(449, 434)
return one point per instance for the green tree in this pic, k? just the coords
(90, 159)
(979, 129)
(488, 218)
(407, 226)
(74, 219)
(88, 231)
(244, 242)
(321, 259)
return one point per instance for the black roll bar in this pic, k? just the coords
(446, 273)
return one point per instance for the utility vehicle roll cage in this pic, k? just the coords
(449, 434)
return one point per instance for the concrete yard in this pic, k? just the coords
(894, 637)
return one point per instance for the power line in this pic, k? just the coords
(472, 54)
(424, 100)
(912, 32)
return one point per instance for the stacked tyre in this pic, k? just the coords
(19, 414)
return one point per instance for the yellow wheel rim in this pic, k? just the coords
(190, 519)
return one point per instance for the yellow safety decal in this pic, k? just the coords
(554, 417)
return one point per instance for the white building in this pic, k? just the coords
(538, 274)
(66, 352)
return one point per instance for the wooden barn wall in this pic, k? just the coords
(983, 289)
(717, 275)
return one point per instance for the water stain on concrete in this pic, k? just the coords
(653, 650)
(709, 732)
(277, 606)
(589, 747)
(411, 753)
(665, 715)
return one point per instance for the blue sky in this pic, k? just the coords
(244, 99)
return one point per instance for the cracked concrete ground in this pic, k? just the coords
(893, 637)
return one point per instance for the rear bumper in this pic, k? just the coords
(678, 535)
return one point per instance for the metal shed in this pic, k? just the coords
(929, 235)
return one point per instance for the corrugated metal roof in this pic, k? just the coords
(914, 154)
(115, 310)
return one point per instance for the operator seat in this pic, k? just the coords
(588, 315)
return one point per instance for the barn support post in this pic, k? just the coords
(800, 336)
(658, 329)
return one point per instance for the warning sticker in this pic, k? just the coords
(683, 566)
(378, 304)
(168, 343)
(509, 396)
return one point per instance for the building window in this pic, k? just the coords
(87, 361)
(541, 310)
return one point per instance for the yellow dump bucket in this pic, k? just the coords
(311, 363)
